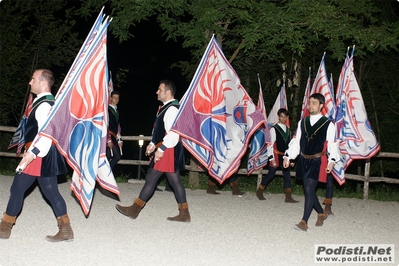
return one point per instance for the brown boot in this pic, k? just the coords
(6, 224)
(132, 211)
(184, 215)
(65, 232)
(288, 198)
(259, 192)
(211, 188)
(234, 189)
(320, 219)
(327, 208)
(301, 226)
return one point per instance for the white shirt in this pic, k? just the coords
(332, 146)
(270, 149)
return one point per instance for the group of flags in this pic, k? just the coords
(354, 134)
(217, 119)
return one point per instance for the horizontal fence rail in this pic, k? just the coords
(194, 169)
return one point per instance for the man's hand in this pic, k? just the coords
(110, 144)
(286, 163)
(150, 149)
(158, 155)
(273, 163)
(330, 167)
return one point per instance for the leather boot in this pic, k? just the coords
(327, 208)
(211, 188)
(320, 219)
(301, 226)
(259, 192)
(6, 224)
(132, 211)
(184, 215)
(234, 188)
(288, 198)
(65, 232)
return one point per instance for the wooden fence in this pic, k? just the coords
(194, 169)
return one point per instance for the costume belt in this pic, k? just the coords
(278, 152)
(27, 145)
(317, 155)
(113, 134)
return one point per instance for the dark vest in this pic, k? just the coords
(113, 122)
(313, 137)
(282, 138)
(53, 163)
(159, 133)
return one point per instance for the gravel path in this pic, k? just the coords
(225, 230)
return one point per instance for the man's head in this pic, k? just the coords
(316, 103)
(114, 98)
(41, 81)
(283, 115)
(166, 90)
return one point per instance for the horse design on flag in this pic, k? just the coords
(222, 115)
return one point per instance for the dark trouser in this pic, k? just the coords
(115, 157)
(48, 186)
(311, 199)
(270, 175)
(329, 186)
(151, 180)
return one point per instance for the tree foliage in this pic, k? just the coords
(260, 36)
(32, 36)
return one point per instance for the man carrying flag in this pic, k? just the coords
(167, 157)
(314, 141)
(42, 162)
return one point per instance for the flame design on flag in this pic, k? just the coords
(321, 85)
(281, 102)
(257, 157)
(353, 130)
(77, 123)
(222, 115)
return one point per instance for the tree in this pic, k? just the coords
(32, 36)
(258, 36)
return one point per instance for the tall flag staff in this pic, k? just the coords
(80, 110)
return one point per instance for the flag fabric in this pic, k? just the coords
(77, 122)
(217, 117)
(257, 158)
(18, 140)
(321, 85)
(353, 130)
(305, 111)
(281, 102)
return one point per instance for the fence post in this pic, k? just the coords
(193, 177)
(366, 179)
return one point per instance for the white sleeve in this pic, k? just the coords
(270, 149)
(171, 138)
(332, 146)
(294, 147)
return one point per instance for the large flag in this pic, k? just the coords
(321, 85)
(18, 139)
(305, 110)
(77, 122)
(257, 158)
(281, 102)
(217, 117)
(354, 133)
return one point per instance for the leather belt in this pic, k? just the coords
(317, 155)
(278, 152)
